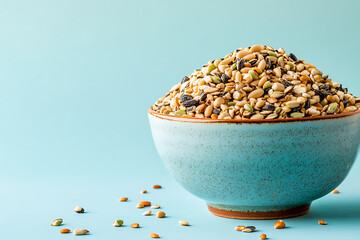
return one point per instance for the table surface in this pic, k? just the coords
(77, 78)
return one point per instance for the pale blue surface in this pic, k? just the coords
(76, 79)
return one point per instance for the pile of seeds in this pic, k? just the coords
(257, 82)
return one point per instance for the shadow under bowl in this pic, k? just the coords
(258, 169)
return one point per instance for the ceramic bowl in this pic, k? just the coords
(258, 169)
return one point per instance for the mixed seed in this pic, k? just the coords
(257, 82)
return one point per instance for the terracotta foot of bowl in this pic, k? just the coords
(258, 169)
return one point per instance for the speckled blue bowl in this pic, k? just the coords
(258, 169)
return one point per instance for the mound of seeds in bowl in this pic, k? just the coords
(257, 82)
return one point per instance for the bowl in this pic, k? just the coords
(258, 169)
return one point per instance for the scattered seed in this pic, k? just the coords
(57, 222)
(335, 191)
(183, 223)
(263, 236)
(160, 214)
(247, 230)
(155, 206)
(140, 205)
(65, 230)
(156, 186)
(80, 231)
(322, 222)
(123, 199)
(240, 228)
(293, 57)
(145, 203)
(153, 235)
(147, 213)
(251, 227)
(79, 209)
(143, 191)
(118, 223)
(135, 225)
(279, 224)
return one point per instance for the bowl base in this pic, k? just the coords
(259, 213)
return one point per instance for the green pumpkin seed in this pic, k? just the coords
(248, 107)
(332, 108)
(215, 79)
(231, 104)
(272, 59)
(292, 66)
(253, 75)
(297, 115)
(180, 113)
(267, 84)
(211, 67)
(271, 53)
(233, 66)
(324, 102)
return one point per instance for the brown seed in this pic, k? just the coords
(153, 235)
(146, 203)
(263, 236)
(143, 191)
(156, 186)
(335, 191)
(256, 93)
(322, 222)
(160, 214)
(240, 228)
(123, 199)
(183, 223)
(135, 225)
(140, 205)
(279, 224)
(65, 230)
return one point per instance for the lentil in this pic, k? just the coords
(335, 191)
(156, 186)
(123, 199)
(322, 222)
(143, 191)
(135, 225)
(263, 236)
(146, 203)
(154, 235)
(65, 230)
(238, 85)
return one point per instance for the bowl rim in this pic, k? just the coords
(207, 120)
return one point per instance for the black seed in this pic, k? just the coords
(216, 111)
(190, 109)
(317, 92)
(218, 74)
(224, 78)
(224, 93)
(325, 93)
(268, 63)
(307, 104)
(286, 84)
(297, 109)
(240, 64)
(265, 54)
(203, 96)
(325, 87)
(190, 103)
(185, 79)
(293, 57)
(253, 62)
(268, 107)
(185, 97)
(345, 102)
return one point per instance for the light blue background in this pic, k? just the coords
(77, 78)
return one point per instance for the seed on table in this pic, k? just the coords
(118, 223)
(140, 205)
(251, 227)
(256, 93)
(247, 230)
(155, 206)
(183, 223)
(65, 230)
(240, 228)
(135, 225)
(160, 214)
(79, 209)
(279, 224)
(147, 213)
(156, 186)
(143, 191)
(146, 203)
(80, 231)
(123, 199)
(322, 222)
(57, 222)
(335, 191)
(263, 236)
(153, 235)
